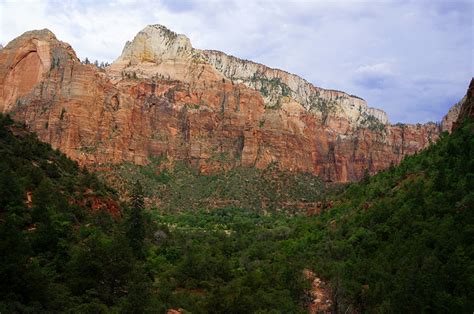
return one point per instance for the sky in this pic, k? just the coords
(413, 59)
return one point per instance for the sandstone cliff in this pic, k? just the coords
(450, 118)
(164, 98)
(467, 106)
(157, 51)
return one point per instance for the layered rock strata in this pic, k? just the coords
(163, 98)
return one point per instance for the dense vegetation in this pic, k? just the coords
(62, 249)
(400, 241)
(183, 188)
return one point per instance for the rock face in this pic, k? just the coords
(467, 106)
(275, 84)
(158, 52)
(163, 98)
(24, 69)
(450, 118)
(155, 43)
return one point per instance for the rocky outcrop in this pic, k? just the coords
(156, 43)
(467, 107)
(320, 296)
(158, 52)
(275, 84)
(450, 118)
(24, 63)
(163, 98)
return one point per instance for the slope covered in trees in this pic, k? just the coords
(62, 244)
(400, 241)
(183, 188)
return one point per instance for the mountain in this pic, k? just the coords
(163, 98)
(400, 241)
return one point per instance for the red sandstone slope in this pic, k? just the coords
(182, 106)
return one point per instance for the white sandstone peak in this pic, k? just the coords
(156, 43)
(157, 51)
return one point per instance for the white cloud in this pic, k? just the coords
(382, 68)
(411, 58)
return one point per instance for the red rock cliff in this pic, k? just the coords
(466, 110)
(164, 98)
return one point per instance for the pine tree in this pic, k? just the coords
(136, 220)
(366, 177)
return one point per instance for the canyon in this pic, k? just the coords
(164, 99)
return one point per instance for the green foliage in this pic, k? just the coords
(55, 63)
(372, 123)
(58, 253)
(228, 261)
(325, 106)
(271, 86)
(192, 106)
(406, 234)
(183, 188)
(136, 220)
(275, 106)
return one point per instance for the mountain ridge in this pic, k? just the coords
(183, 109)
(157, 44)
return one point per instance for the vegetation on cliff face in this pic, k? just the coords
(325, 106)
(400, 241)
(183, 188)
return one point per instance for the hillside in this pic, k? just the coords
(401, 240)
(185, 189)
(61, 243)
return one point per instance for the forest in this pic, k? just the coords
(397, 242)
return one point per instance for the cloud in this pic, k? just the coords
(382, 68)
(374, 76)
(413, 59)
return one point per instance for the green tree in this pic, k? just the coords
(139, 296)
(136, 220)
(10, 190)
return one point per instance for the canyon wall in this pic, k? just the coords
(164, 99)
